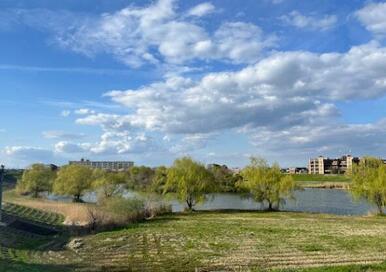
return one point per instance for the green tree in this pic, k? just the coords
(140, 177)
(369, 181)
(38, 178)
(159, 179)
(225, 180)
(73, 180)
(109, 183)
(266, 183)
(190, 180)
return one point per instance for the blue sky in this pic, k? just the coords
(150, 81)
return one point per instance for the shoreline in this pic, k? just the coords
(325, 185)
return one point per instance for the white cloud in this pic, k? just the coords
(157, 34)
(283, 90)
(55, 134)
(328, 138)
(84, 111)
(201, 9)
(68, 147)
(241, 42)
(111, 142)
(191, 142)
(295, 18)
(26, 154)
(372, 16)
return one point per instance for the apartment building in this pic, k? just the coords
(296, 170)
(106, 165)
(322, 165)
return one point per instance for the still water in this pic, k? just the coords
(331, 201)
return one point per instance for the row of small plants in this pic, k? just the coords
(32, 214)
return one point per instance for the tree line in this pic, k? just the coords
(190, 181)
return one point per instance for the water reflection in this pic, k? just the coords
(331, 201)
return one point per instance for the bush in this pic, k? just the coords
(157, 208)
(115, 212)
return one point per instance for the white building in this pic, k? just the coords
(106, 165)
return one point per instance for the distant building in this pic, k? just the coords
(322, 165)
(106, 165)
(297, 170)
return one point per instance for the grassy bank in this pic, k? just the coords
(242, 241)
(320, 178)
(322, 181)
(72, 212)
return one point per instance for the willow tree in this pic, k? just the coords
(73, 180)
(140, 177)
(159, 179)
(109, 183)
(369, 181)
(36, 179)
(189, 180)
(266, 184)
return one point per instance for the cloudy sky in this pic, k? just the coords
(222, 80)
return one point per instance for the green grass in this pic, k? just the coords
(320, 178)
(6, 266)
(35, 215)
(24, 251)
(239, 240)
(236, 241)
(348, 268)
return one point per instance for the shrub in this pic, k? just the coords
(114, 212)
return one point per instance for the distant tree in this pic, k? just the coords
(224, 178)
(140, 177)
(190, 180)
(266, 183)
(159, 179)
(109, 183)
(73, 180)
(38, 178)
(369, 181)
(13, 175)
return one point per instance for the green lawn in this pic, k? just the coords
(321, 178)
(236, 241)
(322, 181)
(240, 241)
(348, 268)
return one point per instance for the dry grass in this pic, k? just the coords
(219, 241)
(75, 213)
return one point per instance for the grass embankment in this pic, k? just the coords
(239, 241)
(73, 212)
(235, 241)
(21, 250)
(322, 181)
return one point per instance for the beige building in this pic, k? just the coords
(322, 165)
(106, 165)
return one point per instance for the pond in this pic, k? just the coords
(333, 201)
